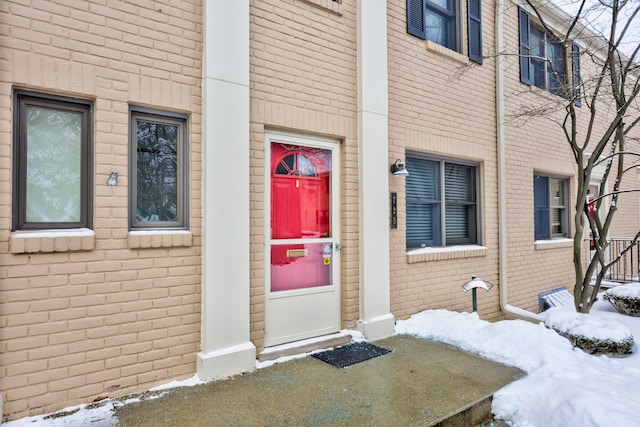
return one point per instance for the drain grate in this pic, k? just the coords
(350, 354)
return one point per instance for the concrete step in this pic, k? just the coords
(476, 414)
(419, 382)
(304, 346)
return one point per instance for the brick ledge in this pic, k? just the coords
(159, 239)
(445, 51)
(80, 239)
(441, 254)
(327, 4)
(541, 245)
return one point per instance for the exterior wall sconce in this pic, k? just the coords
(474, 284)
(113, 178)
(398, 168)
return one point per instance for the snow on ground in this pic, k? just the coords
(563, 386)
(99, 414)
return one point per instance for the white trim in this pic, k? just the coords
(226, 362)
(376, 320)
(377, 327)
(44, 234)
(226, 346)
(502, 175)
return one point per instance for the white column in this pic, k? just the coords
(226, 349)
(376, 320)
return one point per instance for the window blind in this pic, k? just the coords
(423, 203)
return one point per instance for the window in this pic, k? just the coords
(52, 162)
(542, 60)
(438, 21)
(441, 202)
(550, 199)
(158, 189)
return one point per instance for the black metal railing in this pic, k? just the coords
(627, 268)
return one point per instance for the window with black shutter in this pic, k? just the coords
(542, 59)
(550, 201)
(438, 21)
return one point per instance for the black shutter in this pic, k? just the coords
(575, 66)
(541, 207)
(474, 30)
(526, 73)
(415, 18)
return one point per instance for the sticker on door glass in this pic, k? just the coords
(326, 253)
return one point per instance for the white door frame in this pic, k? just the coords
(319, 307)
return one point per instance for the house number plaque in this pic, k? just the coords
(394, 210)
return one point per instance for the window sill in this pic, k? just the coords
(548, 96)
(159, 239)
(562, 242)
(445, 51)
(441, 254)
(78, 239)
(328, 5)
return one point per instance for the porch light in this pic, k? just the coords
(398, 168)
(474, 284)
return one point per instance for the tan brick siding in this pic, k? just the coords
(537, 144)
(110, 314)
(442, 104)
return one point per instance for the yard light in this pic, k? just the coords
(474, 284)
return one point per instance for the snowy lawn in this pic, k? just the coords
(563, 386)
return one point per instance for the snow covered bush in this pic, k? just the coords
(591, 334)
(625, 298)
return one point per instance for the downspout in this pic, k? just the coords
(516, 312)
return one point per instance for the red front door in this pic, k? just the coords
(299, 210)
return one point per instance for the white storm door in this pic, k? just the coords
(302, 277)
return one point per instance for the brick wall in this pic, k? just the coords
(442, 104)
(536, 144)
(104, 314)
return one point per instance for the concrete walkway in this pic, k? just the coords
(420, 383)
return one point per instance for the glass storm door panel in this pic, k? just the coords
(300, 209)
(302, 285)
